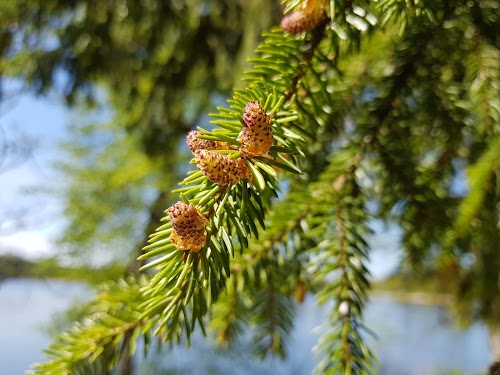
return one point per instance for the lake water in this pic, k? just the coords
(412, 339)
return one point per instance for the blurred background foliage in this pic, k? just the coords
(159, 66)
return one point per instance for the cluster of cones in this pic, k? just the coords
(255, 140)
(189, 224)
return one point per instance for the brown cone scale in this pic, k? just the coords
(219, 168)
(256, 137)
(189, 227)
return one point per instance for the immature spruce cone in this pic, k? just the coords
(305, 18)
(256, 137)
(254, 114)
(193, 241)
(189, 227)
(185, 218)
(203, 144)
(219, 169)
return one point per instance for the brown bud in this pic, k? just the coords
(193, 241)
(254, 115)
(256, 137)
(195, 143)
(189, 227)
(185, 218)
(299, 293)
(305, 18)
(219, 168)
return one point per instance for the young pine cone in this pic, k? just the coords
(256, 137)
(189, 227)
(186, 218)
(219, 169)
(203, 144)
(193, 241)
(305, 18)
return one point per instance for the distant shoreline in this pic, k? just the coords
(14, 267)
(415, 297)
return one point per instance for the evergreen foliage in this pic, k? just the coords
(375, 111)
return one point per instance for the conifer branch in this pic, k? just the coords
(225, 246)
(96, 344)
(317, 36)
(342, 348)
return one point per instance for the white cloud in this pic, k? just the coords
(28, 244)
(28, 222)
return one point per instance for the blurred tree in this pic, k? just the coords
(378, 109)
(14, 152)
(139, 58)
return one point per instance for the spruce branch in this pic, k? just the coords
(272, 316)
(265, 71)
(224, 208)
(96, 344)
(386, 115)
(343, 254)
(229, 249)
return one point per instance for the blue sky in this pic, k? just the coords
(31, 127)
